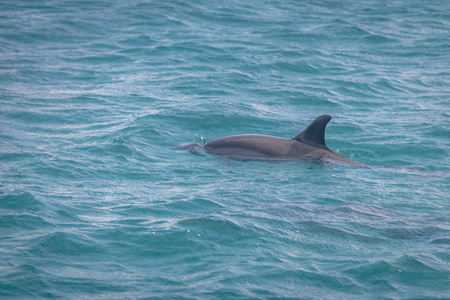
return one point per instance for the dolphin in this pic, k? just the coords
(308, 145)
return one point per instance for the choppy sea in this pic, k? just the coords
(95, 203)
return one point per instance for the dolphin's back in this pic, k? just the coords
(251, 145)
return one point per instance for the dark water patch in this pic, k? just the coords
(63, 244)
(166, 244)
(11, 223)
(403, 272)
(105, 59)
(125, 241)
(415, 272)
(122, 148)
(68, 217)
(57, 172)
(286, 282)
(442, 256)
(135, 221)
(440, 241)
(27, 280)
(35, 117)
(21, 202)
(138, 41)
(374, 273)
(361, 213)
(439, 131)
(415, 264)
(287, 34)
(377, 39)
(341, 234)
(222, 231)
(36, 281)
(87, 286)
(197, 205)
(301, 67)
(405, 233)
(146, 212)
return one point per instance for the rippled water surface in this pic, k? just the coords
(96, 203)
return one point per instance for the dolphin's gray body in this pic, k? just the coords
(309, 144)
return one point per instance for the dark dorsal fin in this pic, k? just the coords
(314, 134)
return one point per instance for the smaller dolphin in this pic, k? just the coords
(309, 144)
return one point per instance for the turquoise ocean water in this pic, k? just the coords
(95, 202)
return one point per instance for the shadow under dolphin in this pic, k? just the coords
(307, 145)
